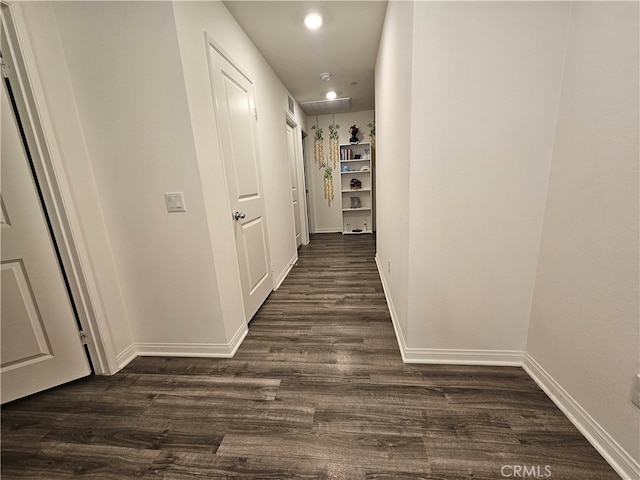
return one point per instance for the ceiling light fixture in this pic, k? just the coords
(325, 76)
(313, 20)
(331, 95)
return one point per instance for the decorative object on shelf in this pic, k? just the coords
(355, 202)
(365, 168)
(372, 132)
(318, 144)
(345, 168)
(355, 184)
(334, 143)
(354, 135)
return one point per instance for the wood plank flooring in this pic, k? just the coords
(317, 390)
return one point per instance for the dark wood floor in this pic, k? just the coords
(317, 390)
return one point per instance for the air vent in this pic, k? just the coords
(320, 107)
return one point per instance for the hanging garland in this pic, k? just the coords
(328, 183)
(334, 144)
(318, 144)
(372, 133)
(318, 157)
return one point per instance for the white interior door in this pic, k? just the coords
(293, 175)
(236, 119)
(41, 346)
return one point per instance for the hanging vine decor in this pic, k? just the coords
(318, 157)
(334, 144)
(372, 133)
(318, 145)
(328, 183)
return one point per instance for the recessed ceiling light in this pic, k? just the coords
(331, 95)
(313, 20)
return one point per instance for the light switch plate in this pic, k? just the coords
(175, 202)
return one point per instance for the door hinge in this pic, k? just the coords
(5, 68)
(255, 113)
(83, 337)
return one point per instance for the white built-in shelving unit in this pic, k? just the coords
(357, 203)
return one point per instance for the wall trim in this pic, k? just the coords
(616, 456)
(212, 350)
(445, 355)
(328, 230)
(392, 311)
(597, 436)
(126, 356)
(290, 264)
(452, 356)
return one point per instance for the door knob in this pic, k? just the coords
(238, 215)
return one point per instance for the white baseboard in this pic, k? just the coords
(512, 358)
(280, 278)
(445, 356)
(620, 460)
(126, 356)
(217, 350)
(392, 311)
(612, 452)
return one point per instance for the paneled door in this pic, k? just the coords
(293, 174)
(40, 341)
(236, 118)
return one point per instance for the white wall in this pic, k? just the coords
(486, 87)
(393, 152)
(192, 20)
(144, 125)
(132, 102)
(59, 114)
(523, 197)
(584, 324)
(328, 218)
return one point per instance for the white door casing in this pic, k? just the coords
(293, 176)
(41, 346)
(236, 120)
(33, 106)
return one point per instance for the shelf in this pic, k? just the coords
(362, 217)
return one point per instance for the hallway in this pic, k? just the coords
(317, 390)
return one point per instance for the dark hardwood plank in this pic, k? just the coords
(358, 450)
(187, 466)
(317, 390)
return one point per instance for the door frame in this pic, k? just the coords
(56, 193)
(300, 175)
(305, 166)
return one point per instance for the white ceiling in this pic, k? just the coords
(346, 45)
